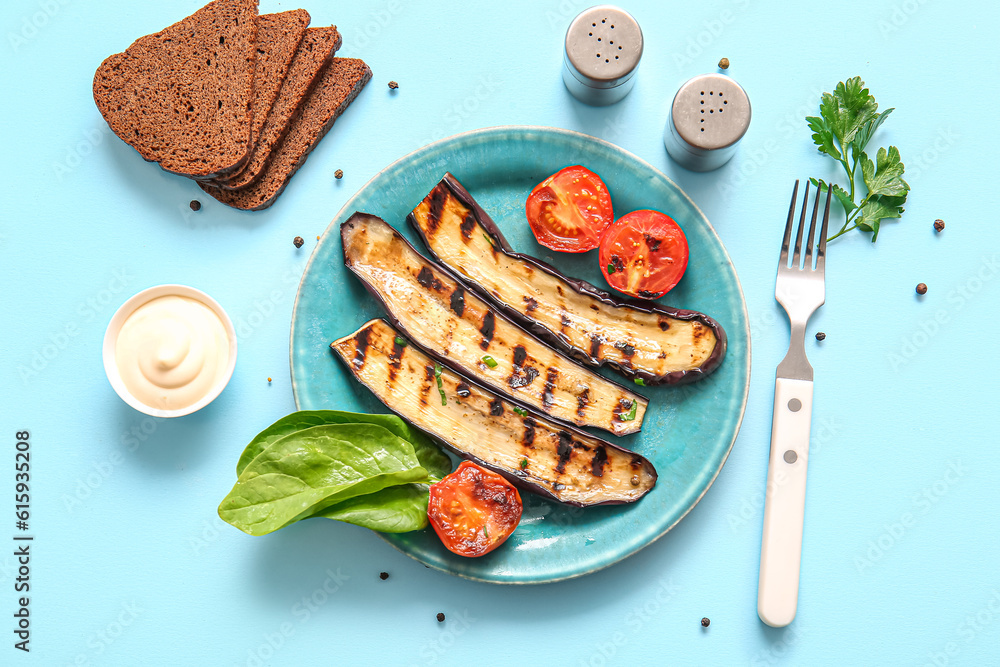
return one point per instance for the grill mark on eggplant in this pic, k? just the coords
(489, 324)
(636, 462)
(564, 321)
(425, 386)
(581, 402)
(463, 390)
(599, 460)
(438, 197)
(396, 357)
(520, 355)
(532, 304)
(361, 347)
(521, 376)
(468, 224)
(426, 278)
(496, 407)
(565, 451)
(595, 345)
(458, 301)
(550, 384)
(528, 439)
(627, 349)
(664, 325)
(623, 408)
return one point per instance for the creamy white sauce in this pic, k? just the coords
(171, 352)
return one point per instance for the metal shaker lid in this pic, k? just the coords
(711, 111)
(708, 117)
(603, 47)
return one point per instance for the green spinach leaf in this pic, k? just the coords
(309, 470)
(397, 509)
(430, 455)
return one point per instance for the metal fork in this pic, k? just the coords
(800, 289)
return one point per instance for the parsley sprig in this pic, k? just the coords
(848, 119)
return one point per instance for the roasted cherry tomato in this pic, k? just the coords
(644, 254)
(473, 510)
(569, 210)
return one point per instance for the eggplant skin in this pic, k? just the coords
(536, 454)
(433, 309)
(693, 329)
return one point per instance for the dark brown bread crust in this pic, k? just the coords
(278, 39)
(182, 97)
(311, 60)
(340, 84)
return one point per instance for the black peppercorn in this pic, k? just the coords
(724, 63)
(298, 241)
(393, 85)
(338, 174)
(938, 225)
(440, 617)
(922, 288)
(383, 576)
(195, 205)
(705, 622)
(820, 335)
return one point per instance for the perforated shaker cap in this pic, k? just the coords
(708, 117)
(602, 53)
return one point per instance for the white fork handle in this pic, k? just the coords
(784, 502)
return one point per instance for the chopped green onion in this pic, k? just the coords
(611, 268)
(520, 411)
(440, 383)
(524, 463)
(400, 341)
(490, 361)
(488, 239)
(640, 382)
(631, 413)
(486, 532)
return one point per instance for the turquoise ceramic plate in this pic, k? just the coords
(688, 431)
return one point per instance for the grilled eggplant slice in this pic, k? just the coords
(433, 310)
(659, 344)
(532, 451)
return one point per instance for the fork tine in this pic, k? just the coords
(812, 230)
(802, 223)
(783, 257)
(821, 251)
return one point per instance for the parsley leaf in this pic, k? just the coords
(847, 122)
(877, 209)
(823, 136)
(840, 193)
(864, 135)
(848, 108)
(887, 180)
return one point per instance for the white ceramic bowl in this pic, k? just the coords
(129, 307)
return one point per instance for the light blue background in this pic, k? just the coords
(131, 564)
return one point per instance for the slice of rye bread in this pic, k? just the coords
(340, 84)
(278, 39)
(311, 60)
(182, 97)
